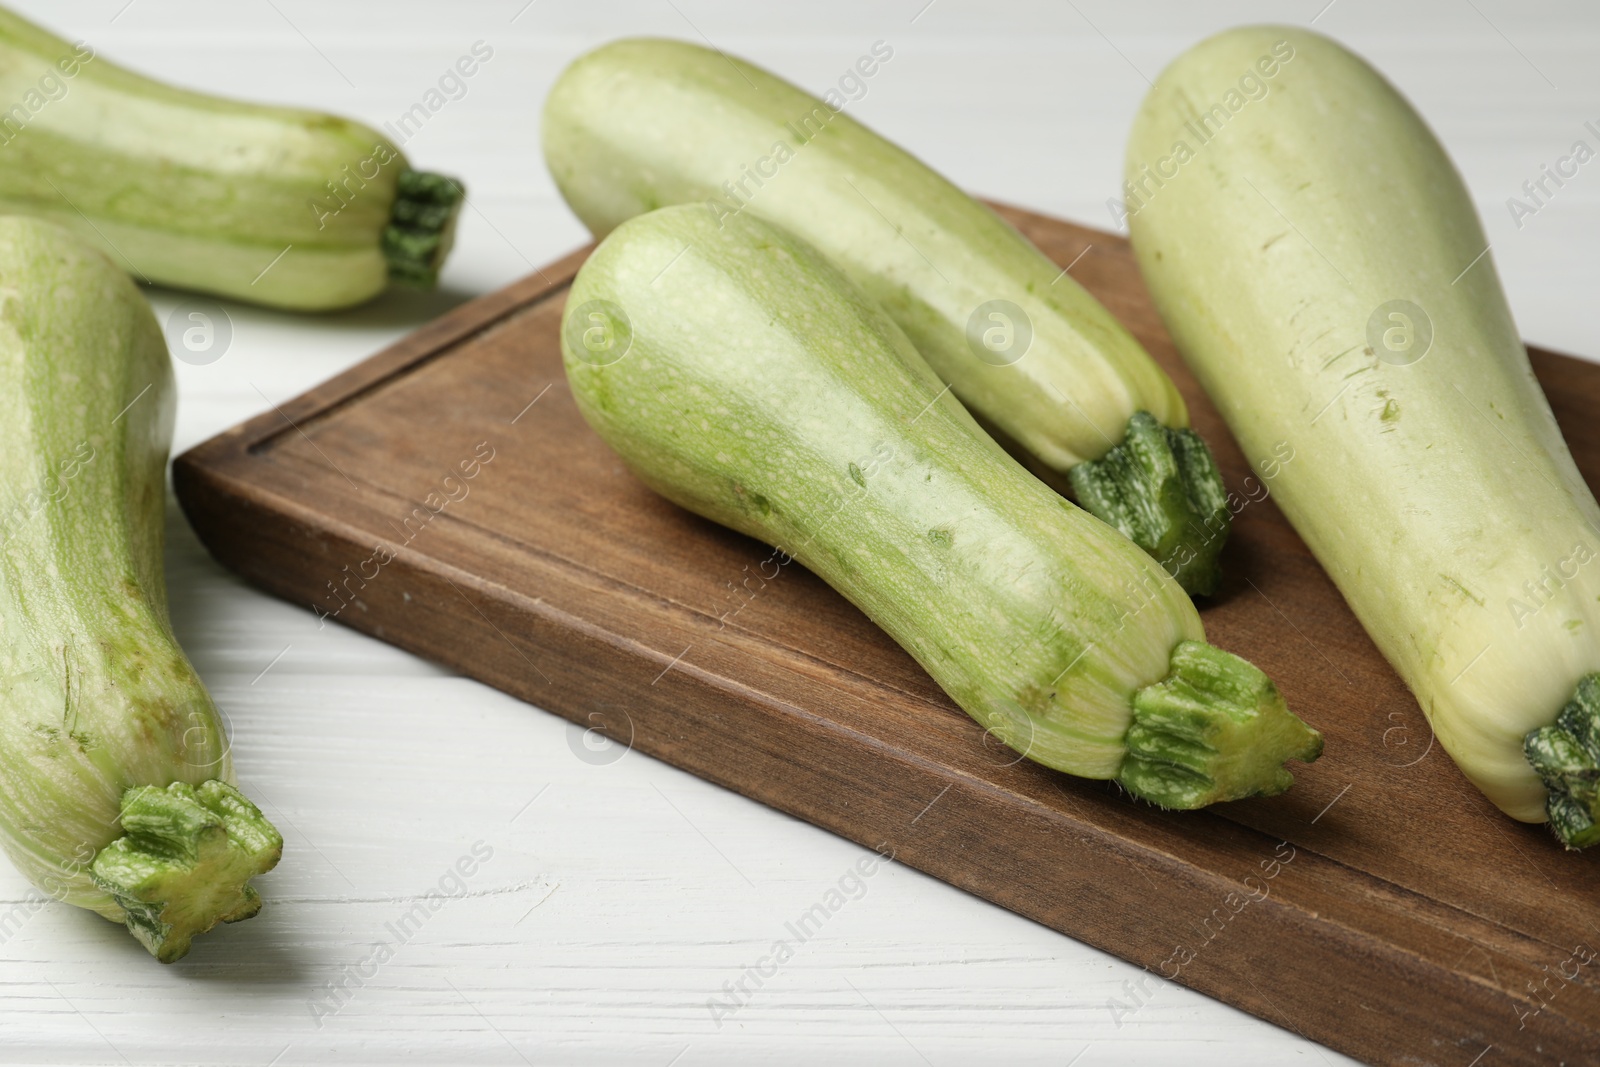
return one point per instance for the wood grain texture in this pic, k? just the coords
(1411, 924)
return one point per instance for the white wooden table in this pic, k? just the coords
(618, 894)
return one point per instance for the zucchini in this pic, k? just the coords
(641, 123)
(277, 206)
(115, 776)
(1321, 267)
(742, 376)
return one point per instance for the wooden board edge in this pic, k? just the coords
(231, 518)
(219, 468)
(414, 349)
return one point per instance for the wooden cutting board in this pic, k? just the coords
(446, 496)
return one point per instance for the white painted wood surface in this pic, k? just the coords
(621, 894)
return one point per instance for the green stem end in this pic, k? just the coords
(1566, 756)
(1214, 729)
(1161, 489)
(184, 861)
(422, 227)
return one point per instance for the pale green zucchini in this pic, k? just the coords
(115, 771)
(1319, 262)
(277, 206)
(637, 124)
(741, 375)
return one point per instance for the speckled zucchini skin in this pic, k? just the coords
(98, 698)
(642, 123)
(741, 375)
(1430, 480)
(278, 206)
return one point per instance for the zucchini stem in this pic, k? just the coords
(422, 226)
(1566, 756)
(1214, 729)
(1161, 489)
(184, 862)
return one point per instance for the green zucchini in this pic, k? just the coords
(277, 206)
(742, 376)
(1321, 266)
(641, 123)
(115, 774)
